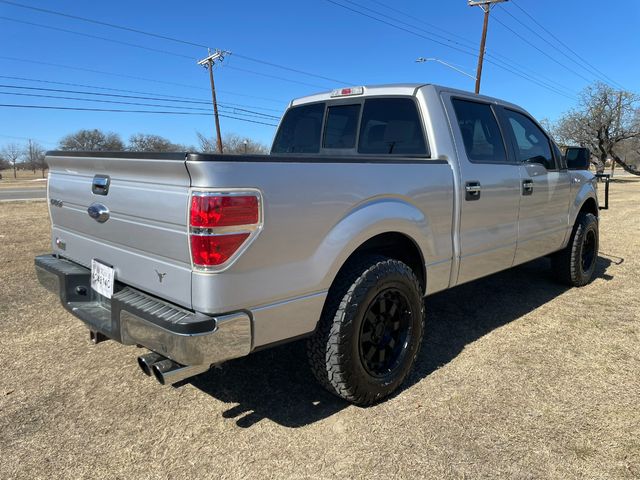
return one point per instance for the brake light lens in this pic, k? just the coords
(209, 211)
(220, 225)
(345, 92)
(214, 250)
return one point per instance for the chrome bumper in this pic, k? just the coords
(132, 317)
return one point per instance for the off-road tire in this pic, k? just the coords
(568, 263)
(334, 351)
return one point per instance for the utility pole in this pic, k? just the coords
(208, 64)
(485, 5)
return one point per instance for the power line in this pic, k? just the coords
(83, 109)
(88, 35)
(58, 90)
(165, 37)
(430, 38)
(146, 79)
(60, 97)
(430, 25)
(42, 95)
(154, 94)
(156, 50)
(428, 32)
(506, 68)
(548, 32)
(276, 77)
(290, 69)
(541, 51)
(550, 44)
(502, 59)
(98, 22)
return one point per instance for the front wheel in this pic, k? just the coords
(576, 263)
(370, 332)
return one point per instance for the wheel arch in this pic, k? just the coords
(396, 245)
(589, 206)
(393, 227)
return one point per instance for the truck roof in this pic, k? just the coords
(397, 89)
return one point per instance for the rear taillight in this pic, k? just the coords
(211, 211)
(221, 225)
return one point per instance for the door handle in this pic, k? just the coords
(527, 187)
(472, 191)
(100, 185)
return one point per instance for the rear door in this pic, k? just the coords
(546, 189)
(143, 235)
(490, 194)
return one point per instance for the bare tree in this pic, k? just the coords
(603, 121)
(232, 143)
(34, 157)
(92, 141)
(12, 152)
(144, 142)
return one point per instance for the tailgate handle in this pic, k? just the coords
(100, 184)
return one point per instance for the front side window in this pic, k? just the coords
(391, 126)
(531, 143)
(341, 126)
(300, 130)
(480, 132)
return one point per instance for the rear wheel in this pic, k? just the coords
(370, 331)
(576, 264)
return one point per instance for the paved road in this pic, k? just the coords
(22, 193)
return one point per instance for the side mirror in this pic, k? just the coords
(578, 158)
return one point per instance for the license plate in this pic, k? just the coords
(102, 278)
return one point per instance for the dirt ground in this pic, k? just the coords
(518, 378)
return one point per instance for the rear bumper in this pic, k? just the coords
(132, 317)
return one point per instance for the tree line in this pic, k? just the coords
(30, 155)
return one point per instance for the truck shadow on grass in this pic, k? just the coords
(278, 385)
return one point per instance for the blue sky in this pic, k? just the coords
(314, 36)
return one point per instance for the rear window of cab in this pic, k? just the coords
(375, 126)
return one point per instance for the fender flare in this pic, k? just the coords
(367, 220)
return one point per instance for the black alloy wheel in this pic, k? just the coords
(384, 332)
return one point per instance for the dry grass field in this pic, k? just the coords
(24, 178)
(518, 378)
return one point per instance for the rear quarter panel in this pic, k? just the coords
(316, 213)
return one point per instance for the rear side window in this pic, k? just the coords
(300, 130)
(391, 126)
(480, 132)
(341, 126)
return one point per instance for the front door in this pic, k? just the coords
(545, 190)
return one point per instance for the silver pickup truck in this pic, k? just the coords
(372, 198)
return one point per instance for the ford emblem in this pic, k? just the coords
(98, 212)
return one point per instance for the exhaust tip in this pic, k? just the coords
(145, 362)
(146, 369)
(160, 368)
(168, 372)
(158, 375)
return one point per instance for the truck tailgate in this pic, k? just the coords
(145, 236)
